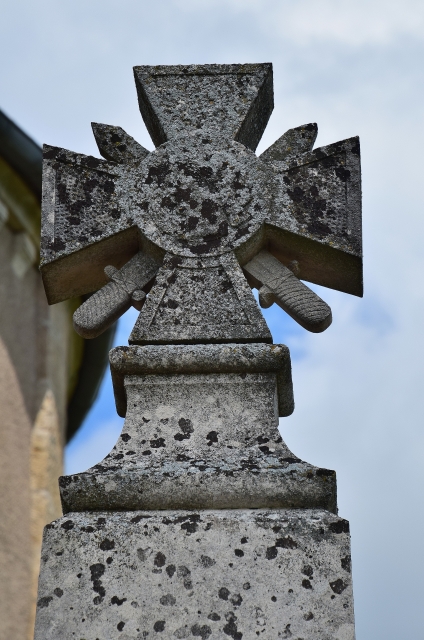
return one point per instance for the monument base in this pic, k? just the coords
(243, 573)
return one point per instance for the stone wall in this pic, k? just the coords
(35, 374)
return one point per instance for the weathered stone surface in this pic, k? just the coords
(116, 145)
(202, 193)
(201, 440)
(231, 101)
(200, 301)
(188, 574)
(126, 288)
(292, 143)
(203, 358)
(277, 283)
(237, 536)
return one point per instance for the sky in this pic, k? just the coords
(355, 68)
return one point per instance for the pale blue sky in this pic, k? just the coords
(355, 67)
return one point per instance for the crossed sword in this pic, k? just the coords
(127, 287)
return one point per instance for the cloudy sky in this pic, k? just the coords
(355, 67)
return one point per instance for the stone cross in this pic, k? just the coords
(200, 522)
(188, 215)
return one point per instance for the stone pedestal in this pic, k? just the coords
(200, 521)
(210, 574)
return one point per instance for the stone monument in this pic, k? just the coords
(200, 522)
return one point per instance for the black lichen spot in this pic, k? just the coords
(262, 439)
(236, 600)
(171, 304)
(68, 525)
(138, 518)
(325, 472)
(264, 449)
(212, 438)
(341, 526)
(246, 586)
(286, 543)
(239, 553)
(125, 437)
(146, 453)
(107, 545)
(58, 592)
(338, 586)
(192, 221)
(109, 186)
(230, 629)
(307, 570)
(203, 632)
(207, 562)
(244, 540)
(118, 601)
(185, 425)
(342, 173)
(170, 570)
(306, 584)
(109, 560)
(208, 210)
(223, 593)
(97, 570)
(44, 602)
(160, 559)
(308, 616)
(346, 563)
(183, 572)
(120, 626)
(356, 148)
(241, 231)
(273, 599)
(191, 525)
(158, 443)
(271, 553)
(214, 616)
(187, 429)
(158, 174)
(168, 600)
(159, 626)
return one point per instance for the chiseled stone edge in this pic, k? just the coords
(203, 358)
(298, 485)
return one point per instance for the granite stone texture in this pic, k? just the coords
(215, 574)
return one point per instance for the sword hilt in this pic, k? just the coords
(108, 304)
(277, 283)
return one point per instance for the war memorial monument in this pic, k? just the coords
(200, 522)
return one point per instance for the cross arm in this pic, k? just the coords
(84, 227)
(232, 101)
(116, 145)
(315, 216)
